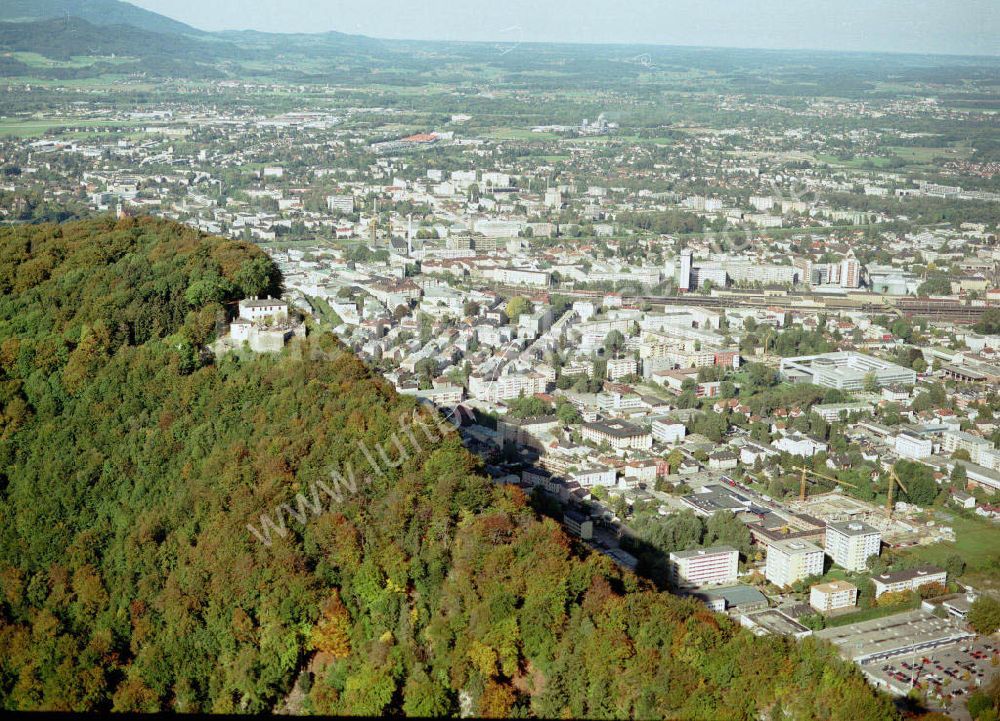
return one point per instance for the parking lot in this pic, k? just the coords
(948, 674)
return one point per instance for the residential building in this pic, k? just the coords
(256, 310)
(792, 560)
(617, 434)
(908, 580)
(668, 431)
(340, 203)
(826, 597)
(622, 367)
(704, 566)
(578, 524)
(831, 412)
(596, 476)
(850, 543)
(800, 444)
(913, 445)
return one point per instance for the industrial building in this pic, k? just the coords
(895, 635)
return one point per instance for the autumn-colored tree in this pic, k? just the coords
(331, 634)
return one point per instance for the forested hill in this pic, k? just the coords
(132, 465)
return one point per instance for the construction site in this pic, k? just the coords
(906, 527)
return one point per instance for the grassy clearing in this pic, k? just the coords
(869, 613)
(977, 541)
(519, 134)
(26, 128)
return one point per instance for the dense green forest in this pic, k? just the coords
(131, 464)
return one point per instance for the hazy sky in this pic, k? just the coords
(931, 26)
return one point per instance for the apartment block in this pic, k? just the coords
(703, 566)
(826, 597)
(792, 560)
(850, 543)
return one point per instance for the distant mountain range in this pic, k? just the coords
(97, 12)
(64, 39)
(101, 36)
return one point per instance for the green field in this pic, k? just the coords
(519, 134)
(977, 542)
(870, 613)
(856, 163)
(26, 128)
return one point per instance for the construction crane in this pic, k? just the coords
(810, 472)
(893, 481)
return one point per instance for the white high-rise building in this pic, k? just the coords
(684, 280)
(792, 560)
(850, 272)
(850, 543)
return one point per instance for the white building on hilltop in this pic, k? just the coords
(256, 309)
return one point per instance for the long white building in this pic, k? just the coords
(702, 566)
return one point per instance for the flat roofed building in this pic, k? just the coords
(745, 599)
(850, 543)
(704, 566)
(846, 370)
(895, 635)
(774, 622)
(617, 434)
(908, 580)
(668, 431)
(792, 560)
(831, 412)
(913, 445)
(578, 524)
(826, 597)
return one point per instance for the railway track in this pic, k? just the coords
(930, 309)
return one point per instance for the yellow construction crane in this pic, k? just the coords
(893, 481)
(810, 472)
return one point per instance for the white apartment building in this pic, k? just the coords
(792, 560)
(909, 580)
(850, 543)
(668, 431)
(507, 387)
(622, 367)
(799, 444)
(703, 566)
(341, 203)
(831, 412)
(981, 451)
(826, 597)
(519, 276)
(619, 435)
(913, 445)
(596, 476)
